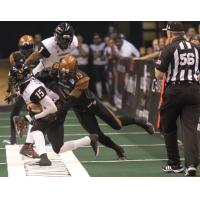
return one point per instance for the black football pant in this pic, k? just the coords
(89, 122)
(181, 101)
(17, 107)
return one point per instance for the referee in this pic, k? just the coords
(179, 63)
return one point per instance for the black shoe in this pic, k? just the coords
(191, 171)
(94, 143)
(120, 153)
(147, 126)
(178, 168)
(44, 160)
(27, 150)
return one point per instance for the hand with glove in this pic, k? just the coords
(21, 125)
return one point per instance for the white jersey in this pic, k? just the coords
(80, 59)
(54, 53)
(127, 50)
(36, 91)
(98, 54)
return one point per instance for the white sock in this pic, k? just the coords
(39, 142)
(74, 144)
(29, 137)
(99, 89)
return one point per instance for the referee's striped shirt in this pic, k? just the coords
(180, 61)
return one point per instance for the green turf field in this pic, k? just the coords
(145, 153)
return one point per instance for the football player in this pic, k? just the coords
(51, 108)
(16, 59)
(54, 48)
(74, 83)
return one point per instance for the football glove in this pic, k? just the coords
(21, 125)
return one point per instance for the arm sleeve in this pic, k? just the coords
(74, 43)
(49, 106)
(44, 51)
(38, 94)
(163, 62)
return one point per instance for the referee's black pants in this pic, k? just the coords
(181, 100)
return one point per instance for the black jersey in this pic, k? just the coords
(180, 61)
(64, 84)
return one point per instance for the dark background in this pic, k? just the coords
(11, 31)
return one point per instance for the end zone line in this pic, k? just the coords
(74, 166)
(15, 164)
(64, 165)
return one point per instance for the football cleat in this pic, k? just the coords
(94, 143)
(27, 150)
(147, 126)
(44, 160)
(120, 153)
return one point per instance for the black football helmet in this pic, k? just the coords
(19, 59)
(64, 34)
(20, 74)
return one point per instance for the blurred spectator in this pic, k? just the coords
(98, 62)
(142, 51)
(112, 33)
(149, 50)
(162, 41)
(111, 51)
(195, 40)
(126, 49)
(82, 53)
(155, 45)
(37, 41)
(198, 30)
(154, 51)
(112, 29)
(191, 32)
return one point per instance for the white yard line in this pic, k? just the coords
(120, 161)
(133, 145)
(66, 125)
(123, 145)
(63, 165)
(107, 133)
(8, 119)
(7, 113)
